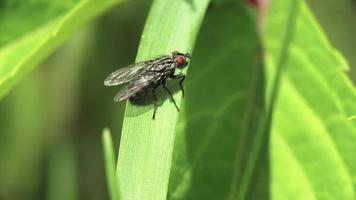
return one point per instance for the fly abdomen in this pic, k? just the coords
(134, 98)
(143, 91)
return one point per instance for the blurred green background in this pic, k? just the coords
(51, 122)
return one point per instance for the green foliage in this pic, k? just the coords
(218, 135)
(30, 31)
(45, 28)
(221, 150)
(21, 159)
(146, 145)
(110, 166)
(339, 27)
(269, 113)
(224, 109)
(312, 141)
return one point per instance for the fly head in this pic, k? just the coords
(180, 59)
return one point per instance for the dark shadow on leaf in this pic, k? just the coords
(147, 99)
(191, 4)
(221, 150)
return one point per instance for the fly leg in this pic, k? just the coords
(170, 94)
(154, 102)
(181, 77)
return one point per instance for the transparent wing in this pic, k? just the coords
(134, 87)
(125, 74)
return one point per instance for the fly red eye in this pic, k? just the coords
(180, 60)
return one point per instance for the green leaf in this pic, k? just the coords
(312, 142)
(221, 145)
(147, 145)
(340, 28)
(109, 155)
(31, 30)
(223, 121)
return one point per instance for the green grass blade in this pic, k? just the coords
(62, 182)
(31, 34)
(109, 155)
(146, 147)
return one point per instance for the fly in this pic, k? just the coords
(148, 75)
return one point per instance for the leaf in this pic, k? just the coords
(34, 29)
(223, 126)
(109, 155)
(146, 145)
(312, 141)
(305, 137)
(340, 28)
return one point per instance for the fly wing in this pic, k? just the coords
(136, 85)
(125, 74)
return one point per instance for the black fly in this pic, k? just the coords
(148, 75)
